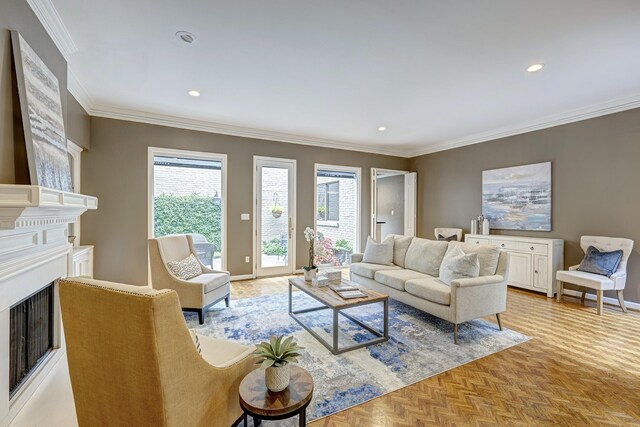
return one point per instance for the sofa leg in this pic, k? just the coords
(226, 301)
(455, 333)
(499, 322)
(201, 316)
(599, 302)
(621, 301)
(560, 289)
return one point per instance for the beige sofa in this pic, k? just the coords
(413, 280)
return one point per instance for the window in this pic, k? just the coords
(329, 201)
(337, 213)
(187, 197)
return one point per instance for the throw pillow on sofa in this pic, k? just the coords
(185, 269)
(400, 248)
(458, 265)
(379, 253)
(602, 263)
(488, 255)
(452, 238)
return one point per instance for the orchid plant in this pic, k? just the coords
(310, 237)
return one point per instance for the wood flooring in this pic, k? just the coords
(579, 369)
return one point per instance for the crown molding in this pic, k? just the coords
(52, 22)
(120, 113)
(78, 90)
(609, 107)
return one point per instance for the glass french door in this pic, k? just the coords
(274, 214)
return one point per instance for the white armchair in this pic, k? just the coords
(615, 282)
(196, 294)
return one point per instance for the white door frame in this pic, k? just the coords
(358, 172)
(374, 174)
(291, 256)
(222, 158)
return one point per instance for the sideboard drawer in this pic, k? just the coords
(507, 244)
(477, 241)
(539, 248)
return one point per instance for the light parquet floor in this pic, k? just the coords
(578, 369)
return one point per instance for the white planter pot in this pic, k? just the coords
(277, 379)
(309, 275)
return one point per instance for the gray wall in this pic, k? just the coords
(78, 123)
(115, 170)
(17, 15)
(595, 183)
(390, 198)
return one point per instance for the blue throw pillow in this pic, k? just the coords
(602, 263)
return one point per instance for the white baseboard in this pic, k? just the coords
(241, 277)
(612, 301)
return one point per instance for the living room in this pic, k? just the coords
(427, 211)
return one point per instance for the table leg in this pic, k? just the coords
(302, 417)
(386, 318)
(257, 421)
(244, 418)
(290, 299)
(335, 331)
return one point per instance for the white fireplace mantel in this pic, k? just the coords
(34, 251)
(24, 206)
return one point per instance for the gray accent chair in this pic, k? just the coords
(196, 294)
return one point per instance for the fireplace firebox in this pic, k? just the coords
(31, 335)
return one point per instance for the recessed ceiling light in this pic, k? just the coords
(194, 93)
(186, 37)
(535, 67)
(382, 129)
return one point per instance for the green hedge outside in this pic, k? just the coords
(188, 214)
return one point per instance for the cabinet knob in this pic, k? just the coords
(477, 242)
(502, 245)
(532, 248)
(535, 271)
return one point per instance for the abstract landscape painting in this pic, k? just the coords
(42, 119)
(518, 198)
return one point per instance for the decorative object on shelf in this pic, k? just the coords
(485, 227)
(310, 269)
(333, 275)
(320, 281)
(276, 208)
(42, 119)
(518, 198)
(474, 226)
(275, 356)
(71, 239)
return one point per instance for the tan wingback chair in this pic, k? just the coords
(616, 282)
(133, 362)
(196, 294)
(446, 232)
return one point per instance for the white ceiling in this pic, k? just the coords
(436, 73)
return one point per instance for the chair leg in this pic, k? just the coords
(584, 295)
(560, 289)
(226, 301)
(455, 333)
(599, 302)
(621, 301)
(499, 322)
(201, 316)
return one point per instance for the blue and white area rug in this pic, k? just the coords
(419, 346)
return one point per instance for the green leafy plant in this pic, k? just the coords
(277, 352)
(273, 247)
(343, 244)
(276, 209)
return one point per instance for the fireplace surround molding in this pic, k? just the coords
(34, 251)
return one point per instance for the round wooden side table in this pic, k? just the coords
(258, 402)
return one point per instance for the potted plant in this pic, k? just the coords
(322, 210)
(276, 210)
(275, 356)
(311, 269)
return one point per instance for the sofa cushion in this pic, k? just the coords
(429, 289)
(458, 265)
(488, 256)
(211, 281)
(365, 269)
(589, 280)
(400, 247)
(425, 256)
(396, 278)
(379, 253)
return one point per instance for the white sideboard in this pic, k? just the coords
(533, 261)
(82, 261)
